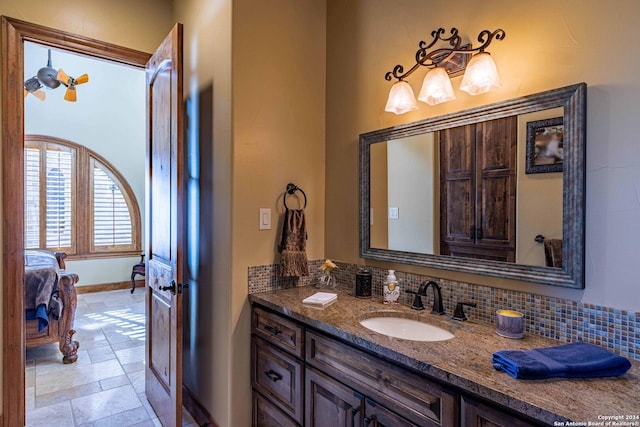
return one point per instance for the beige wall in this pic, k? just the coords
(548, 44)
(207, 67)
(272, 134)
(412, 189)
(379, 228)
(539, 199)
(278, 137)
(139, 25)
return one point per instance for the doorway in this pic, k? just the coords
(84, 193)
(14, 34)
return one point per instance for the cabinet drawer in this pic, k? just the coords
(266, 414)
(281, 332)
(476, 414)
(278, 376)
(419, 400)
(379, 416)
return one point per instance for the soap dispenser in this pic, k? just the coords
(391, 290)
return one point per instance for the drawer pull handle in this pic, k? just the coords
(272, 329)
(369, 420)
(273, 375)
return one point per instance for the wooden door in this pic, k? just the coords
(165, 196)
(496, 151)
(331, 404)
(457, 187)
(478, 190)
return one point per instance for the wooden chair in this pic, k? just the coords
(137, 269)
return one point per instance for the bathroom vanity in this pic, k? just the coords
(321, 367)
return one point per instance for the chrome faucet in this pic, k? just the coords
(422, 291)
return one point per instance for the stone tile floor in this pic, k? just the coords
(105, 387)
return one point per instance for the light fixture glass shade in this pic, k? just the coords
(481, 75)
(401, 98)
(436, 87)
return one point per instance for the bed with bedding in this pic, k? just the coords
(50, 302)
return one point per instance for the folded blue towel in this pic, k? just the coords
(575, 360)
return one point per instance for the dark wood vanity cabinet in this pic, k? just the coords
(330, 403)
(476, 414)
(266, 414)
(378, 416)
(277, 370)
(301, 377)
(478, 190)
(279, 376)
(395, 389)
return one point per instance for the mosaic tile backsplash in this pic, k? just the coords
(557, 318)
(264, 278)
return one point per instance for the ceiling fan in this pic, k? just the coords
(51, 78)
(71, 84)
(47, 75)
(32, 86)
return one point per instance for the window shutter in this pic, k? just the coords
(111, 217)
(77, 202)
(32, 198)
(58, 209)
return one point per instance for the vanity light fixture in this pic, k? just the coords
(481, 74)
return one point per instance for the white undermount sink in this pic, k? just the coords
(407, 329)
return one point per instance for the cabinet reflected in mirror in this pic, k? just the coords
(495, 190)
(491, 208)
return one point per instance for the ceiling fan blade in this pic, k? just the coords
(63, 77)
(82, 79)
(40, 95)
(70, 95)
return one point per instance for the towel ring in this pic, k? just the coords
(539, 238)
(291, 189)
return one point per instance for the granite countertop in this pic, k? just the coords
(465, 361)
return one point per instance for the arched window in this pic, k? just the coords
(77, 202)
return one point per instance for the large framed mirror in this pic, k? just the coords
(497, 190)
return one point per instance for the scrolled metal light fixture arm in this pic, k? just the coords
(435, 57)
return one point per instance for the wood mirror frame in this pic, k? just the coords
(571, 275)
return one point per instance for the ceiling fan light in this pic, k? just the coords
(401, 98)
(481, 75)
(436, 87)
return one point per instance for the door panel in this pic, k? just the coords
(163, 372)
(458, 207)
(331, 404)
(457, 181)
(478, 197)
(495, 210)
(496, 146)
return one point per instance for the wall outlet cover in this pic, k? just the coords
(394, 213)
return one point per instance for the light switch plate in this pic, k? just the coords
(394, 213)
(265, 219)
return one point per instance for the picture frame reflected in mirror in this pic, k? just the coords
(545, 148)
